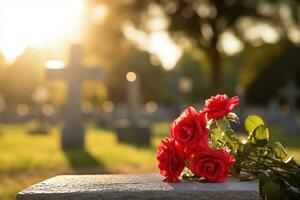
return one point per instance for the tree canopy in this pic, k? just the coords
(206, 23)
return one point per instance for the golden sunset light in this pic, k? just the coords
(54, 64)
(38, 23)
(180, 97)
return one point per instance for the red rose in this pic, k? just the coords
(212, 165)
(189, 131)
(220, 105)
(170, 161)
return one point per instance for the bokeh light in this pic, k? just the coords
(108, 106)
(151, 106)
(131, 76)
(23, 109)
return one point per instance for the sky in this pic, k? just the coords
(52, 23)
(56, 24)
(37, 23)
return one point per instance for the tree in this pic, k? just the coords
(188, 68)
(204, 22)
(107, 44)
(21, 79)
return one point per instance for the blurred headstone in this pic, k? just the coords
(105, 117)
(150, 111)
(173, 86)
(240, 109)
(73, 131)
(273, 111)
(2, 108)
(23, 111)
(134, 131)
(290, 123)
(40, 97)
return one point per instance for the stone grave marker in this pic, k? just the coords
(136, 187)
(105, 114)
(2, 109)
(134, 131)
(240, 109)
(290, 123)
(173, 84)
(73, 131)
(273, 111)
(40, 97)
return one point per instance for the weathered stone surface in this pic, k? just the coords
(134, 134)
(142, 186)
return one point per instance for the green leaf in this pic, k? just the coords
(252, 122)
(223, 124)
(216, 134)
(247, 148)
(260, 136)
(235, 171)
(280, 151)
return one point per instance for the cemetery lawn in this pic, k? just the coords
(27, 159)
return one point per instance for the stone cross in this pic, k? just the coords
(290, 93)
(133, 97)
(136, 187)
(136, 132)
(73, 131)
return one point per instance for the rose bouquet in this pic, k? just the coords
(203, 147)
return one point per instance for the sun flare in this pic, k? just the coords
(38, 23)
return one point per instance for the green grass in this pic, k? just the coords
(27, 159)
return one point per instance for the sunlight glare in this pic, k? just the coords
(55, 64)
(161, 45)
(230, 44)
(99, 13)
(38, 23)
(158, 43)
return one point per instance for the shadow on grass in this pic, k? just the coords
(82, 162)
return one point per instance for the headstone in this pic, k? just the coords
(173, 84)
(134, 131)
(40, 97)
(240, 109)
(150, 111)
(23, 113)
(273, 111)
(105, 114)
(290, 122)
(136, 187)
(2, 108)
(73, 131)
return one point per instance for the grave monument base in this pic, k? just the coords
(39, 129)
(136, 134)
(134, 187)
(73, 136)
